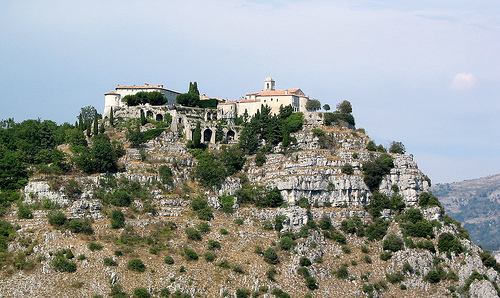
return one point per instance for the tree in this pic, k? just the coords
(13, 173)
(271, 257)
(326, 107)
(344, 107)
(143, 118)
(313, 105)
(197, 136)
(111, 118)
(397, 147)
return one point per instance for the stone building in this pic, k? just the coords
(253, 102)
(113, 99)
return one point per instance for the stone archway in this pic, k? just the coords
(230, 135)
(159, 117)
(207, 135)
(149, 114)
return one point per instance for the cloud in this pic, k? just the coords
(463, 81)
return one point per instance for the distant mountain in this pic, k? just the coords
(475, 203)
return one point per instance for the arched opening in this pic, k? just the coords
(207, 135)
(214, 116)
(230, 135)
(149, 114)
(208, 117)
(159, 117)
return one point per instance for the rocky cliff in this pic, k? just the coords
(342, 240)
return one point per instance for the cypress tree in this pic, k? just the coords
(96, 126)
(143, 118)
(111, 118)
(197, 136)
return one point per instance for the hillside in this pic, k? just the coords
(476, 203)
(322, 212)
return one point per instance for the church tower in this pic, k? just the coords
(269, 84)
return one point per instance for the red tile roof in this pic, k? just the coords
(296, 92)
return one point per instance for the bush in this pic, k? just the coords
(56, 218)
(227, 203)
(62, 264)
(377, 230)
(169, 260)
(386, 255)
(121, 198)
(242, 293)
(426, 244)
(270, 256)
(342, 272)
(209, 256)
(304, 261)
(303, 271)
(205, 214)
(213, 245)
(428, 200)
(239, 221)
(287, 243)
(224, 232)
(347, 169)
(272, 199)
(117, 219)
(24, 212)
(165, 174)
(81, 226)
(393, 243)
(325, 223)
(374, 171)
(203, 227)
(395, 277)
(190, 254)
(136, 265)
(271, 273)
(304, 203)
(367, 259)
(260, 159)
(109, 262)
(311, 283)
(141, 293)
(93, 246)
(447, 242)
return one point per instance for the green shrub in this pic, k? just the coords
(224, 232)
(165, 174)
(287, 243)
(347, 169)
(169, 260)
(367, 259)
(377, 229)
(279, 293)
(270, 256)
(342, 272)
(303, 271)
(165, 292)
(304, 203)
(260, 159)
(272, 199)
(213, 245)
(81, 257)
(141, 293)
(56, 218)
(447, 242)
(109, 262)
(393, 243)
(121, 198)
(81, 226)
(271, 273)
(386, 255)
(62, 264)
(364, 249)
(311, 283)
(426, 244)
(242, 293)
(203, 227)
(325, 223)
(428, 200)
(239, 221)
(346, 249)
(304, 261)
(93, 246)
(117, 219)
(24, 211)
(209, 256)
(136, 265)
(374, 171)
(407, 268)
(193, 234)
(190, 254)
(395, 277)
(227, 203)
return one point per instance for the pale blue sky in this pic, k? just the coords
(423, 73)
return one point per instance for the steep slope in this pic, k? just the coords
(343, 240)
(476, 203)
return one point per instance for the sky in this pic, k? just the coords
(424, 73)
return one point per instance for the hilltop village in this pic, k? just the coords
(174, 195)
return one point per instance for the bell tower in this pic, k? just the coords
(269, 84)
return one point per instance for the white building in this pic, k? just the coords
(253, 102)
(113, 99)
